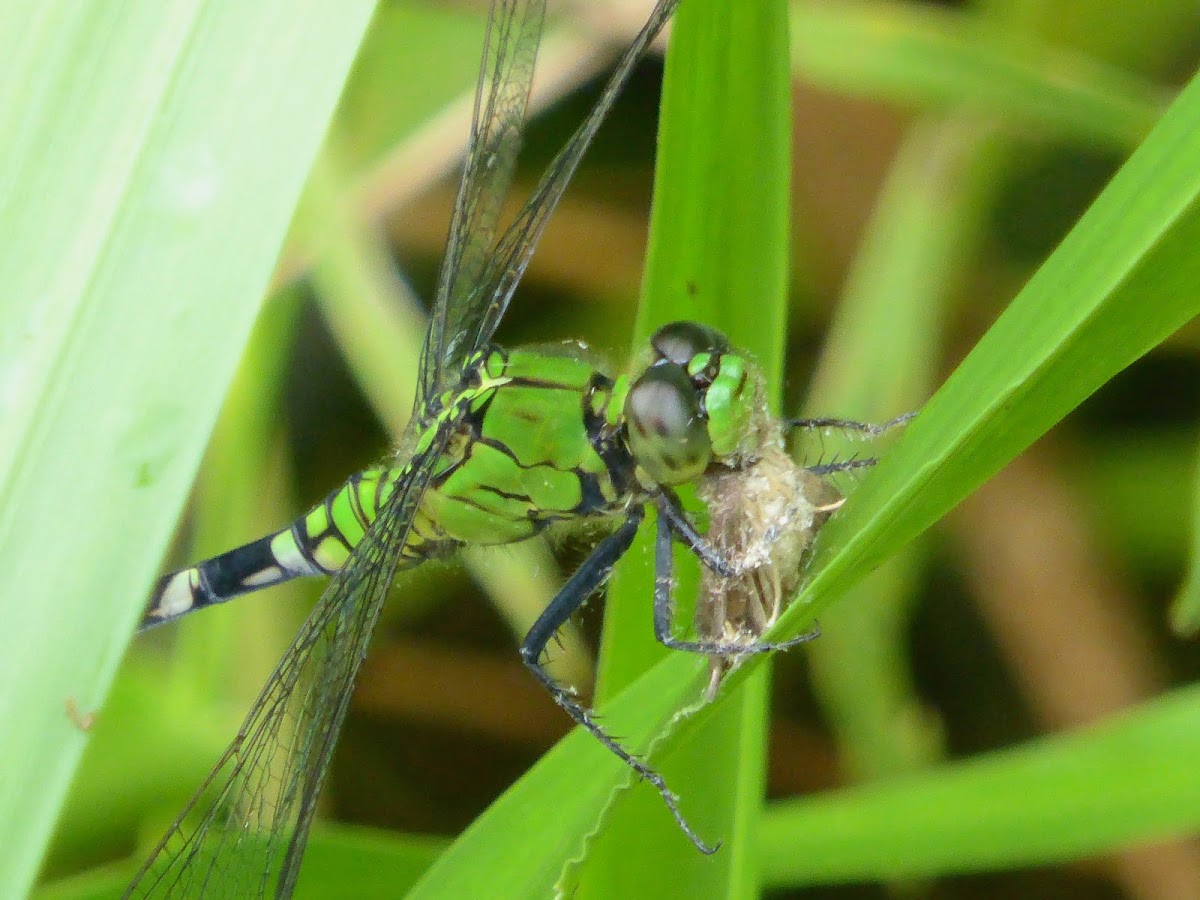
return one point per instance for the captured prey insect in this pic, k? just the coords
(502, 444)
(763, 515)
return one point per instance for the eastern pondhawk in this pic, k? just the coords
(501, 445)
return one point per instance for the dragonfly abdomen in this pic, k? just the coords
(318, 543)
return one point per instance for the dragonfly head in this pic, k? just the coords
(694, 405)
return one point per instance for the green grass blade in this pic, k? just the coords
(1057, 799)
(517, 849)
(147, 180)
(169, 716)
(1117, 286)
(718, 253)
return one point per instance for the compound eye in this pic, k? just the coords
(679, 342)
(668, 436)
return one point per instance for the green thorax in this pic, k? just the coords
(531, 441)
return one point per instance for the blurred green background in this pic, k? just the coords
(941, 150)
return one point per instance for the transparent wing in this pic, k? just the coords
(479, 317)
(501, 98)
(244, 831)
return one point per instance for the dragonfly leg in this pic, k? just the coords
(863, 428)
(845, 465)
(573, 595)
(667, 503)
(663, 577)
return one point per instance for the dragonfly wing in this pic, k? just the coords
(501, 98)
(243, 832)
(515, 248)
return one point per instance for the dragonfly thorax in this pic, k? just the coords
(537, 438)
(695, 405)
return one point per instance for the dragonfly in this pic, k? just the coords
(501, 445)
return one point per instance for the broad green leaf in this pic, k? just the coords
(153, 154)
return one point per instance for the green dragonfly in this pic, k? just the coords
(502, 444)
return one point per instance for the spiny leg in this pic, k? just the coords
(858, 429)
(663, 577)
(573, 595)
(845, 465)
(667, 503)
(863, 428)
